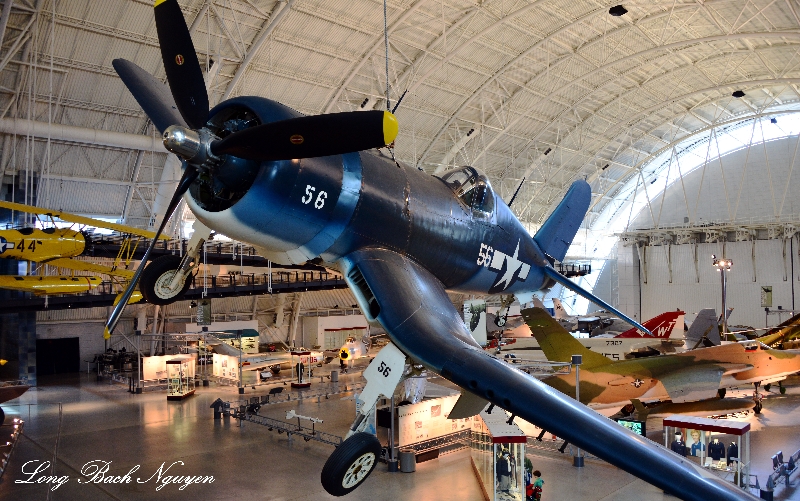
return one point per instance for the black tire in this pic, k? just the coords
(783, 390)
(350, 464)
(767, 387)
(2, 416)
(160, 270)
(721, 392)
(757, 408)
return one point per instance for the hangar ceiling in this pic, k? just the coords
(552, 90)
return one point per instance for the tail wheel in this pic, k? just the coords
(350, 464)
(721, 392)
(156, 278)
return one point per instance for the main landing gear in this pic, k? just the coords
(166, 279)
(353, 461)
(757, 398)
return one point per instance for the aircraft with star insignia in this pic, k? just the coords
(302, 188)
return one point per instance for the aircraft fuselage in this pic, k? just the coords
(641, 378)
(328, 207)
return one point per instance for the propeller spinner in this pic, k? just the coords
(304, 137)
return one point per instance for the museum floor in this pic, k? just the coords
(102, 421)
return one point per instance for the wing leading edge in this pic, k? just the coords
(420, 319)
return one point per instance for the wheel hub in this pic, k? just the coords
(358, 470)
(162, 285)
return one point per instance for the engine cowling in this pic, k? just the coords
(292, 210)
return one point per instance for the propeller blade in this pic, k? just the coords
(189, 175)
(152, 95)
(569, 284)
(181, 64)
(312, 136)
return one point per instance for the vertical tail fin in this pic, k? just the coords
(557, 344)
(661, 326)
(706, 326)
(556, 234)
(559, 308)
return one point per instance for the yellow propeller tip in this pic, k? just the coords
(3, 361)
(106, 334)
(158, 2)
(390, 127)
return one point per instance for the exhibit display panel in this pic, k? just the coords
(225, 366)
(497, 450)
(180, 378)
(427, 420)
(155, 368)
(722, 446)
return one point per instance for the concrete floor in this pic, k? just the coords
(103, 422)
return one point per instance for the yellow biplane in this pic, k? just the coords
(57, 246)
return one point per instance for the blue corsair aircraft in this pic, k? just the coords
(312, 188)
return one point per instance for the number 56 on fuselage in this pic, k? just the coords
(455, 226)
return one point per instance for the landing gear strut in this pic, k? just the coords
(166, 279)
(353, 461)
(757, 398)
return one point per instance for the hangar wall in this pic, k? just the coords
(88, 332)
(754, 185)
(753, 267)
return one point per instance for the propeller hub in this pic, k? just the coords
(194, 146)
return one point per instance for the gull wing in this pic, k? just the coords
(418, 316)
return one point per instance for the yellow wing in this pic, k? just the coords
(75, 264)
(74, 218)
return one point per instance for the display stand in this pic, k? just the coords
(497, 450)
(180, 379)
(301, 369)
(729, 458)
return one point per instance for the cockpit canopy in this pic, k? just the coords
(472, 188)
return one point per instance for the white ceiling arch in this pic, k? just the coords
(528, 75)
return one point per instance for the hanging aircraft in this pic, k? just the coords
(690, 376)
(57, 246)
(305, 188)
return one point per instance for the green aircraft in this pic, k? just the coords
(785, 335)
(691, 376)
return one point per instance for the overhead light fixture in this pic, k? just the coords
(617, 11)
(738, 93)
(605, 167)
(548, 150)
